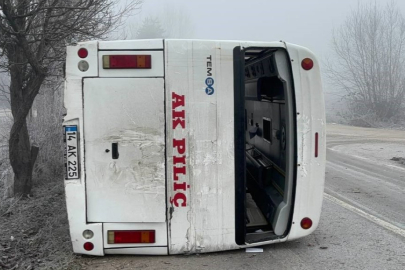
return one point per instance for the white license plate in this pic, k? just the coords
(70, 137)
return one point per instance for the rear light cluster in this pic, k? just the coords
(127, 61)
(88, 246)
(88, 234)
(117, 61)
(131, 237)
(83, 65)
(83, 53)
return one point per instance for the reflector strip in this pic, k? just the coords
(316, 144)
(127, 61)
(131, 237)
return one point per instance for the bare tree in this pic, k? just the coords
(33, 37)
(369, 62)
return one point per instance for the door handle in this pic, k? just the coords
(114, 148)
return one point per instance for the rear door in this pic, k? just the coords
(124, 128)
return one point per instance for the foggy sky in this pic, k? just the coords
(305, 22)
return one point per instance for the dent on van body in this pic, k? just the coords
(149, 166)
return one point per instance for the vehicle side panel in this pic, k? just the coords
(201, 73)
(205, 222)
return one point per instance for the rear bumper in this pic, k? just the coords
(137, 251)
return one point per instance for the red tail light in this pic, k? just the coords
(83, 53)
(316, 144)
(131, 237)
(88, 246)
(306, 223)
(307, 64)
(127, 61)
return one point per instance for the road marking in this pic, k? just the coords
(364, 158)
(336, 150)
(397, 167)
(330, 148)
(371, 218)
(359, 157)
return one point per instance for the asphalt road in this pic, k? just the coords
(362, 224)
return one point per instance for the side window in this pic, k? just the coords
(267, 129)
(246, 120)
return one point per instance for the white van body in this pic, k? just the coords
(173, 129)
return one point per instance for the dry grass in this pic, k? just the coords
(366, 120)
(34, 231)
(5, 125)
(45, 126)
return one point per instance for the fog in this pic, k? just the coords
(308, 23)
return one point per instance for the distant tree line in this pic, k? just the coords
(369, 62)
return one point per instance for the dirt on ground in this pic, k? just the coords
(34, 231)
(400, 160)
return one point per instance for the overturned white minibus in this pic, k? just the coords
(188, 146)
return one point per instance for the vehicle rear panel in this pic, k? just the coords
(122, 187)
